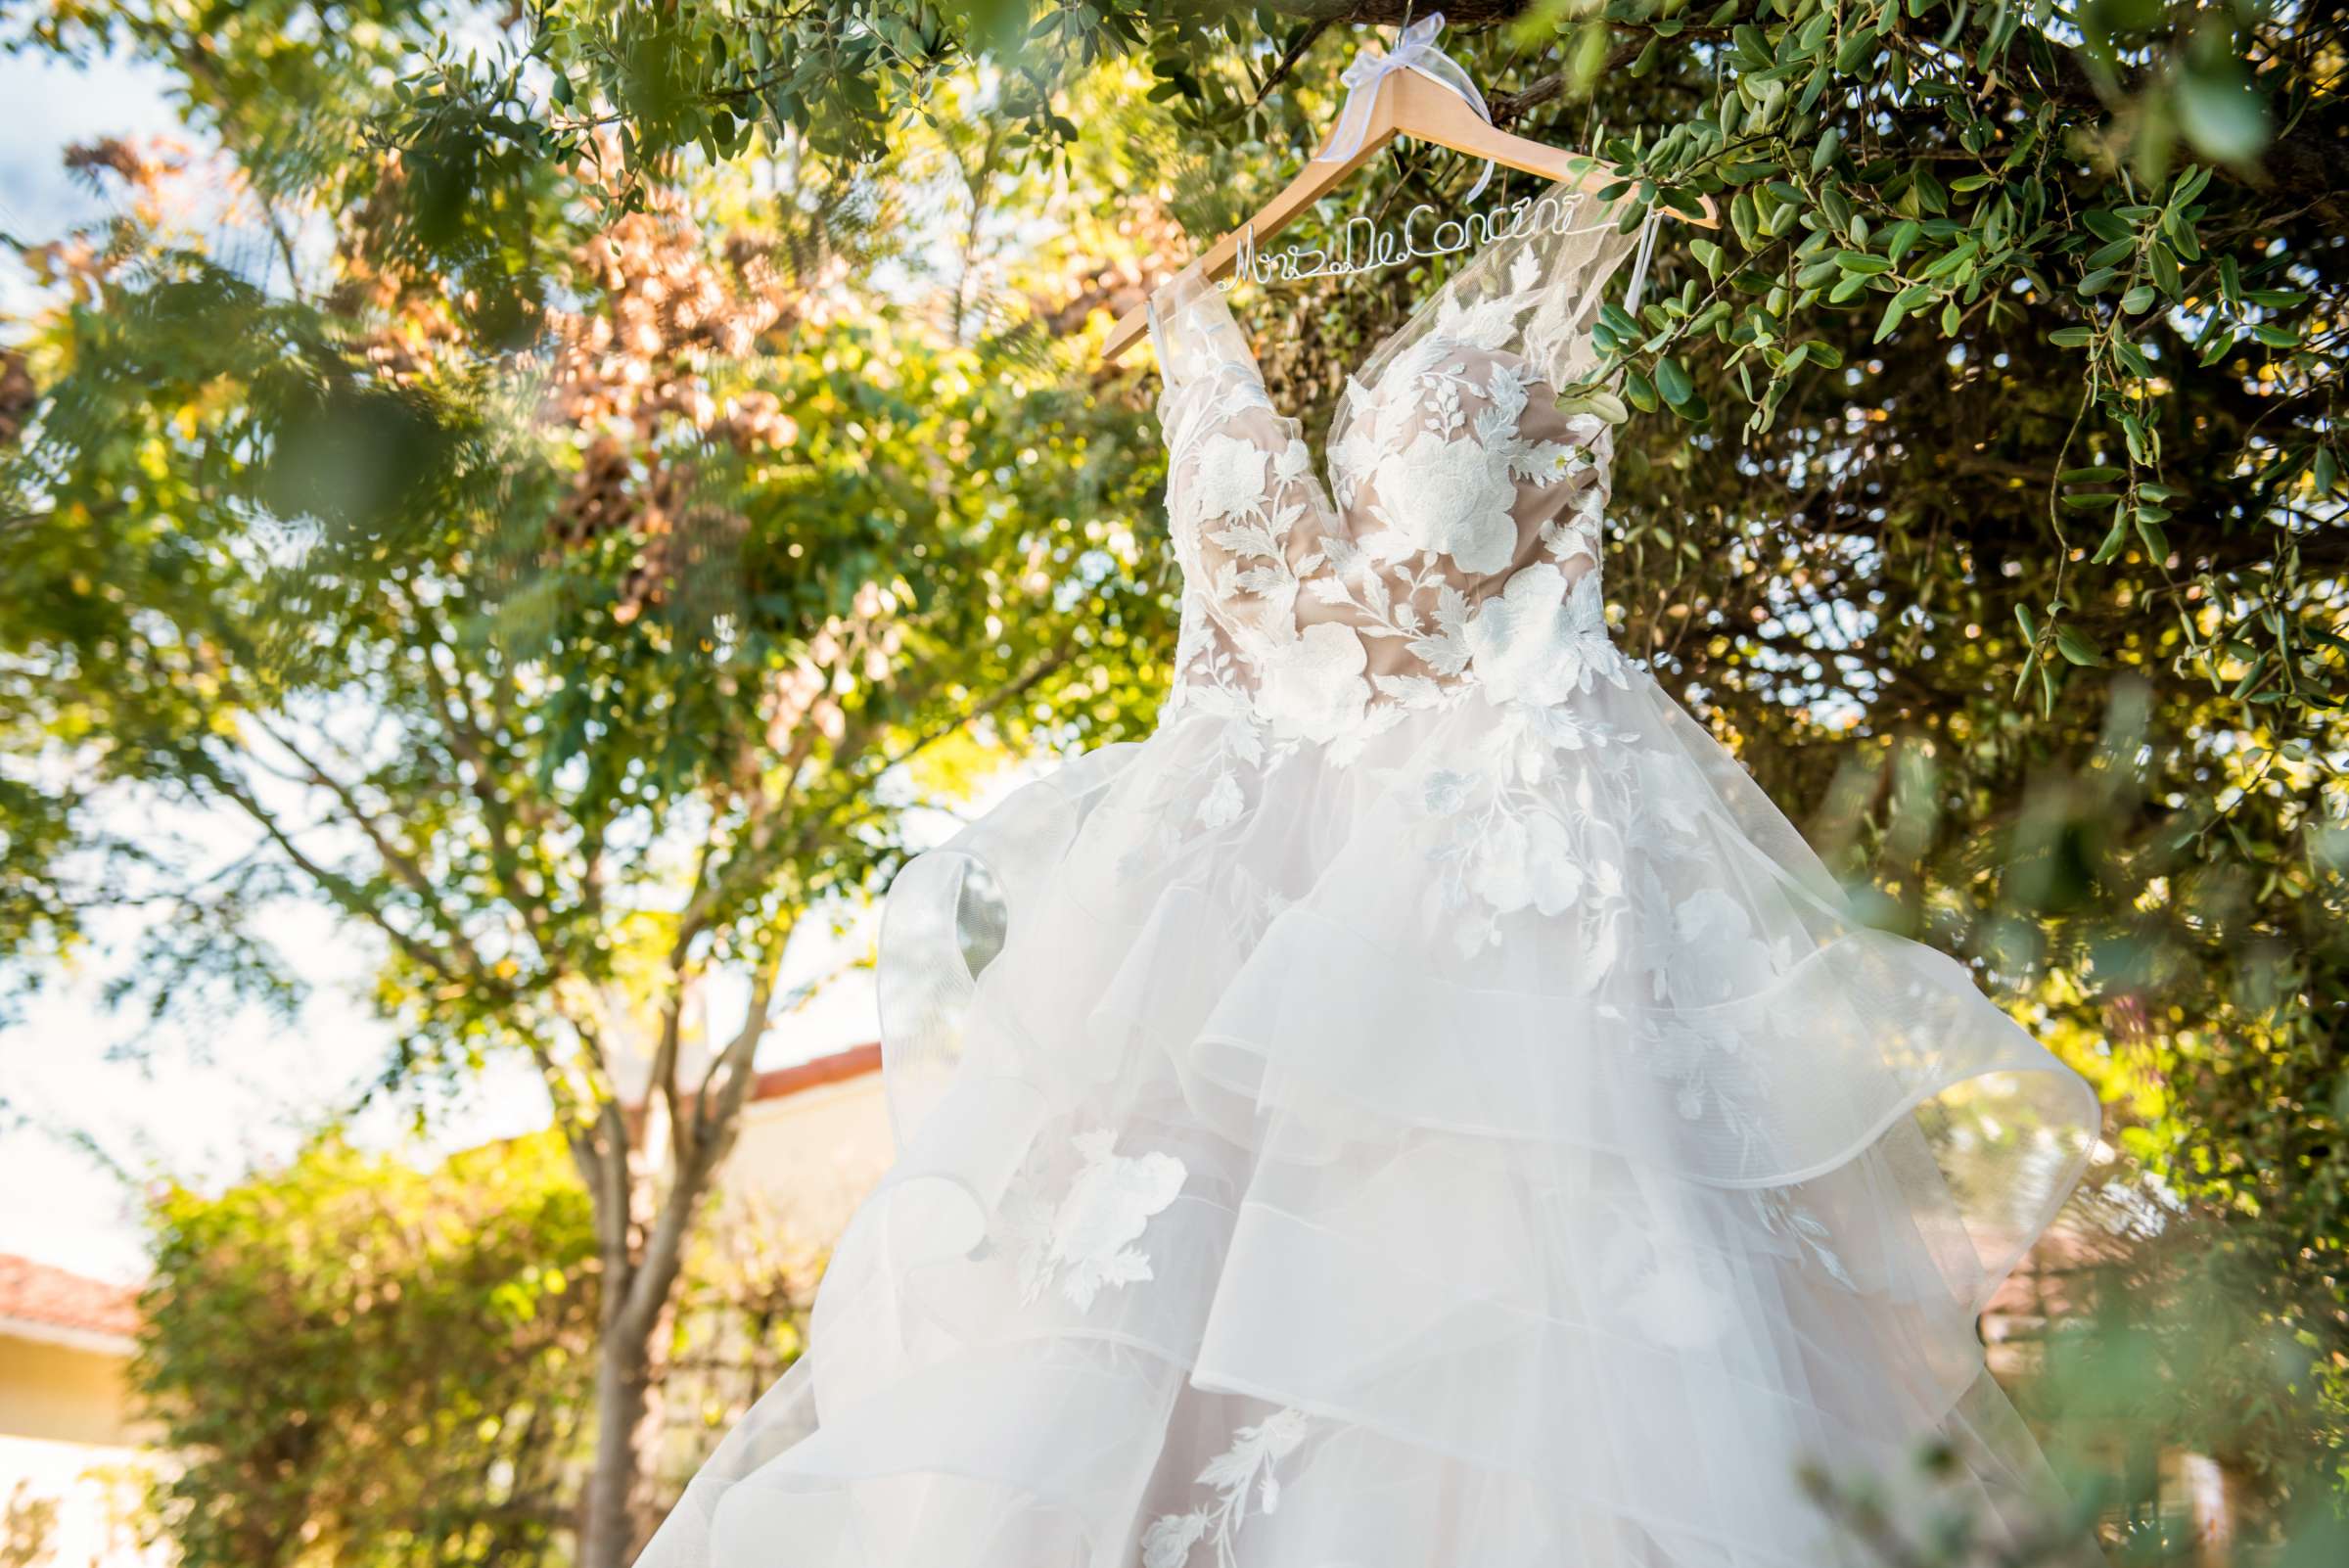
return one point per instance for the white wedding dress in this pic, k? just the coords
(1424, 1107)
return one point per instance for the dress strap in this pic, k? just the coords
(1639, 258)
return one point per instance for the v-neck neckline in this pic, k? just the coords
(1483, 261)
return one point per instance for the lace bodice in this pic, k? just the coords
(1455, 552)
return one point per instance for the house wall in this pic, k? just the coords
(62, 1393)
(805, 1161)
(70, 1471)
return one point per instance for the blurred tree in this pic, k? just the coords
(356, 1361)
(573, 586)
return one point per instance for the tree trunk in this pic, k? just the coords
(643, 1251)
(622, 1387)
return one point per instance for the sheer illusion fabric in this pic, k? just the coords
(1424, 1107)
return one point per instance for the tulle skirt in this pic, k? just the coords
(1493, 1147)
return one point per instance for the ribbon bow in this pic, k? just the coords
(1416, 50)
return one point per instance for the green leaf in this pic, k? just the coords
(1673, 382)
(1595, 400)
(2113, 255)
(2108, 225)
(2221, 110)
(1905, 301)
(2114, 539)
(2075, 646)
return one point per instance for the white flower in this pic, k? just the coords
(1351, 460)
(1230, 477)
(1314, 684)
(1082, 1241)
(1446, 791)
(1169, 1541)
(1665, 793)
(1222, 802)
(1536, 641)
(1453, 498)
(1710, 916)
(1527, 862)
(1715, 954)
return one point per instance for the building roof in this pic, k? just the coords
(840, 1066)
(40, 1296)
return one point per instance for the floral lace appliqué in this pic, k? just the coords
(1540, 641)
(1240, 1472)
(1455, 548)
(1085, 1241)
(1783, 1215)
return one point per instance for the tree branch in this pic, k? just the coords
(345, 896)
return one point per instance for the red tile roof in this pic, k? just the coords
(854, 1062)
(38, 1293)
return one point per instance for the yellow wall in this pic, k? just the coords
(807, 1160)
(61, 1394)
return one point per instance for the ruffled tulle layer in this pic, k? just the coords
(1495, 1148)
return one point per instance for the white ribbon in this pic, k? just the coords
(1640, 258)
(1416, 50)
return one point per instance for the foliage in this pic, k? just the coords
(363, 1361)
(569, 587)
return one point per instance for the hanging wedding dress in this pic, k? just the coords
(1424, 1107)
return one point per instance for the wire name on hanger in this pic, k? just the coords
(1362, 245)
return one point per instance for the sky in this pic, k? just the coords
(85, 1122)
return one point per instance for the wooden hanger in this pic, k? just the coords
(1407, 104)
